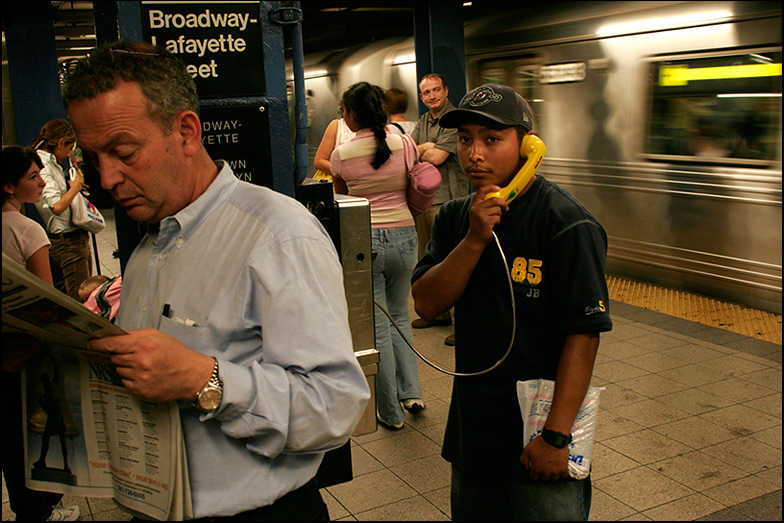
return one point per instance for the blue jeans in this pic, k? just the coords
(398, 375)
(499, 500)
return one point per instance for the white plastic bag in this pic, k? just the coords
(536, 397)
(85, 215)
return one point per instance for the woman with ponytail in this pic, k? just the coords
(372, 165)
(70, 244)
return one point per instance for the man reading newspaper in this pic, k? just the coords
(233, 302)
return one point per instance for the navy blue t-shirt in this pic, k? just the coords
(555, 252)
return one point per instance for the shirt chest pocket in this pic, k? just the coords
(193, 336)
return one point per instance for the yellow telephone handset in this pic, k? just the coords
(533, 148)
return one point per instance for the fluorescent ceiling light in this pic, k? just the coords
(316, 74)
(405, 59)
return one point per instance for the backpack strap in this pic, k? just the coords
(101, 300)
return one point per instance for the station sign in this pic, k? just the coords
(220, 43)
(239, 135)
(562, 73)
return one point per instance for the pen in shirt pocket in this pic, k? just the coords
(166, 312)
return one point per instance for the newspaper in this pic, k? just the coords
(107, 443)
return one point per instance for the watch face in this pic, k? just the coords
(210, 399)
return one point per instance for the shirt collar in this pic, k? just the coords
(448, 107)
(188, 219)
(47, 157)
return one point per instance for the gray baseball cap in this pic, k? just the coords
(499, 103)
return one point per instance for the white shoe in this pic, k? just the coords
(414, 405)
(390, 426)
(61, 513)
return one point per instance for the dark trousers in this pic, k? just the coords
(476, 499)
(303, 504)
(28, 505)
(424, 226)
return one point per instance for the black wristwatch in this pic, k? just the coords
(556, 439)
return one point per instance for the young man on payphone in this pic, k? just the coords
(555, 252)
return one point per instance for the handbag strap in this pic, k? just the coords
(408, 145)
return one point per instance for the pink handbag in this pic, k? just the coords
(423, 179)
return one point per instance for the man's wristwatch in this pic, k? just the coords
(210, 397)
(556, 439)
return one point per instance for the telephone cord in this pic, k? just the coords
(511, 341)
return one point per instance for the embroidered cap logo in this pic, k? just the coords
(483, 96)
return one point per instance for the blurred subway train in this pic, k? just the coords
(663, 118)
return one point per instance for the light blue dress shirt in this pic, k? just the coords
(253, 280)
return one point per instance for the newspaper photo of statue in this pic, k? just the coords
(109, 444)
(55, 422)
(52, 417)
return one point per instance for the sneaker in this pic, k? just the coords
(390, 426)
(419, 323)
(61, 513)
(450, 340)
(414, 405)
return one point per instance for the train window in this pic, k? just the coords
(526, 81)
(493, 75)
(522, 74)
(717, 109)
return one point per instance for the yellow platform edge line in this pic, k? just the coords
(732, 317)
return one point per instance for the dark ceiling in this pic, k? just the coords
(335, 25)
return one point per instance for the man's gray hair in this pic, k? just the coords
(162, 77)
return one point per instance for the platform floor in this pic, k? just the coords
(689, 425)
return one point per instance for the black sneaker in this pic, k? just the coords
(414, 405)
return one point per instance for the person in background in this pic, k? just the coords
(101, 295)
(437, 145)
(336, 134)
(23, 239)
(90, 285)
(397, 105)
(372, 166)
(26, 243)
(70, 244)
(556, 252)
(260, 359)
